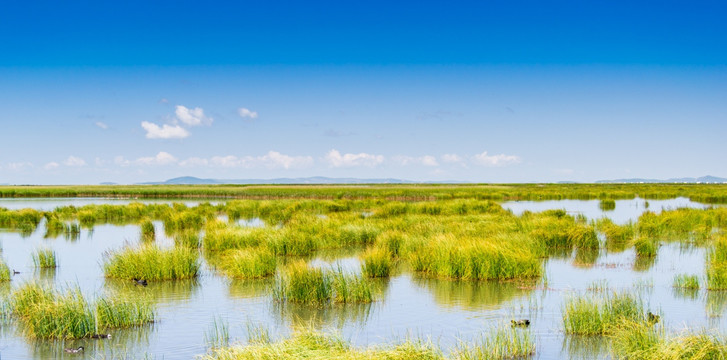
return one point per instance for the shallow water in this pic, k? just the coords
(409, 305)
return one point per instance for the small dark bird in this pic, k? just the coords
(523, 323)
(653, 318)
(101, 336)
(140, 282)
(16, 272)
(74, 351)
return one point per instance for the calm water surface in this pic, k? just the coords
(409, 305)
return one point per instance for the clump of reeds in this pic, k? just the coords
(189, 239)
(685, 281)
(4, 271)
(377, 262)
(44, 258)
(499, 343)
(309, 344)
(148, 232)
(617, 236)
(149, 262)
(249, 263)
(300, 283)
(645, 246)
(218, 334)
(220, 236)
(640, 341)
(607, 204)
(351, 288)
(45, 313)
(717, 265)
(599, 315)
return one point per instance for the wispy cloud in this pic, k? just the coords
(336, 133)
(335, 159)
(51, 166)
(102, 125)
(426, 160)
(154, 131)
(247, 113)
(161, 158)
(192, 117)
(495, 160)
(271, 160)
(74, 161)
(452, 159)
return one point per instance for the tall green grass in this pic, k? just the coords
(351, 288)
(599, 315)
(45, 313)
(249, 263)
(4, 271)
(717, 265)
(377, 262)
(639, 341)
(300, 283)
(148, 233)
(645, 246)
(149, 262)
(44, 258)
(607, 204)
(685, 281)
(499, 343)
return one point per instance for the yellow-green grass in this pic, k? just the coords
(607, 204)
(717, 265)
(45, 313)
(686, 281)
(149, 262)
(148, 233)
(602, 314)
(500, 343)
(377, 262)
(189, 239)
(640, 341)
(4, 271)
(44, 258)
(300, 283)
(645, 246)
(249, 263)
(220, 236)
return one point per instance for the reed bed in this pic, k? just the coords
(377, 262)
(499, 343)
(45, 313)
(149, 262)
(645, 246)
(601, 315)
(299, 283)
(44, 258)
(607, 204)
(249, 263)
(717, 265)
(639, 341)
(685, 281)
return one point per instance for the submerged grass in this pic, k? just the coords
(44, 258)
(149, 262)
(45, 313)
(685, 281)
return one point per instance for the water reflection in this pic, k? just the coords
(156, 292)
(586, 258)
(251, 288)
(586, 347)
(715, 303)
(471, 295)
(319, 318)
(644, 263)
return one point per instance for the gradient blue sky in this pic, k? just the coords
(505, 91)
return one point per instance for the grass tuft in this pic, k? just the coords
(149, 262)
(44, 258)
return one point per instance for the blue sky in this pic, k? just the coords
(476, 91)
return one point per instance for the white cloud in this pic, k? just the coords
(154, 131)
(194, 161)
(119, 160)
(226, 161)
(74, 161)
(495, 160)
(335, 159)
(51, 166)
(452, 158)
(426, 160)
(247, 113)
(162, 158)
(272, 160)
(192, 117)
(102, 125)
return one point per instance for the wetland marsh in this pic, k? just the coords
(365, 277)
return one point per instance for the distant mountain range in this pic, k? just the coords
(704, 179)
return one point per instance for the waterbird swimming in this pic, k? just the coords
(140, 282)
(74, 351)
(16, 272)
(524, 322)
(653, 318)
(101, 336)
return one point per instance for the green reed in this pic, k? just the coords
(499, 343)
(685, 281)
(44, 258)
(4, 271)
(149, 262)
(640, 341)
(249, 263)
(148, 233)
(607, 204)
(599, 315)
(377, 262)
